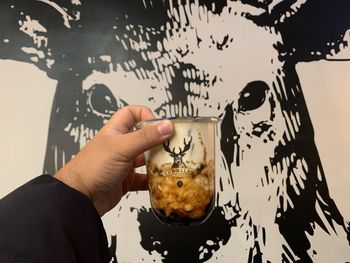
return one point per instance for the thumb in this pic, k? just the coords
(149, 136)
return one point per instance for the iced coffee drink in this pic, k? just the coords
(181, 172)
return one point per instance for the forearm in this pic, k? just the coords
(47, 221)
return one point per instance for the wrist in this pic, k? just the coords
(73, 180)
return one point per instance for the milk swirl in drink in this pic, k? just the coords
(181, 172)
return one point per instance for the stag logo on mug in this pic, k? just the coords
(178, 166)
(177, 156)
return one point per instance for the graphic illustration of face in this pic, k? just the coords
(198, 59)
(192, 64)
(190, 70)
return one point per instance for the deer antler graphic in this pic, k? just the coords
(178, 162)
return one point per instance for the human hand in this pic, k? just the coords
(104, 170)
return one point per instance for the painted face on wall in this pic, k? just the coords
(199, 58)
(201, 62)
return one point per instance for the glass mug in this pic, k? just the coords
(181, 172)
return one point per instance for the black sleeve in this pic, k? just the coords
(46, 221)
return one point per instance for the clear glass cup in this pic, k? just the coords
(181, 172)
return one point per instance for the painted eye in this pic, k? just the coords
(252, 96)
(101, 101)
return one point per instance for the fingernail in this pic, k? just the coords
(165, 127)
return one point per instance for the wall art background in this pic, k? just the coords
(275, 72)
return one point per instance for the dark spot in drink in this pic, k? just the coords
(179, 183)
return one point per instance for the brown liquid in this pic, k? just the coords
(180, 196)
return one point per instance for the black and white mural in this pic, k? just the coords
(269, 69)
